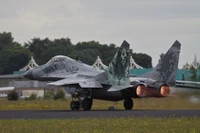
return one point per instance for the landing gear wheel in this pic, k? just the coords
(128, 103)
(77, 105)
(73, 105)
(87, 103)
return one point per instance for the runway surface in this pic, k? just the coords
(66, 114)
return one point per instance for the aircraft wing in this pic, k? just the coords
(6, 88)
(58, 76)
(83, 82)
(67, 76)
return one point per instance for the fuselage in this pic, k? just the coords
(61, 67)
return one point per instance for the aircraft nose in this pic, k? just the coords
(28, 74)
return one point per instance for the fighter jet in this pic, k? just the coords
(86, 83)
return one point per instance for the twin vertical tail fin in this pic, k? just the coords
(166, 69)
(118, 69)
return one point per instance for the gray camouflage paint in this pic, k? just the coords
(60, 67)
(167, 67)
(118, 69)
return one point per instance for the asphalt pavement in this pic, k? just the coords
(67, 114)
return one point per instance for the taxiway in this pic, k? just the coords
(66, 114)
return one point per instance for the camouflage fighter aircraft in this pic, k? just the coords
(86, 83)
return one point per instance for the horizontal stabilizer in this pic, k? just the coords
(119, 87)
(6, 88)
(83, 82)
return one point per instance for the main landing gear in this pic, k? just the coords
(85, 103)
(128, 103)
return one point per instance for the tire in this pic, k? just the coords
(87, 103)
(77, 105)
(73, 105)
(128, 104)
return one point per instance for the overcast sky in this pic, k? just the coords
(149, 26)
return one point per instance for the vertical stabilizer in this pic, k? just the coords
(165, 71)
(118, 69)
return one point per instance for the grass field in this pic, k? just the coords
(102, 125)
(179, 100)
(189, 99)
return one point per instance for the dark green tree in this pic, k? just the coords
(6, 39)
(107, 53)
(142, 59)
(87, 52)
(86, 45)
(62, 41)
(88, 56)
(37, 47)
(13, 58)
(193, 73)
(61, 46)
(45, 49)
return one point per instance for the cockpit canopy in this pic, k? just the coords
(58, 58)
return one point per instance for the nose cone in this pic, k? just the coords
(28, 74)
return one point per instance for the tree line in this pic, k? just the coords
(14, 56)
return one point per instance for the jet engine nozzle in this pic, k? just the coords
(165, 90)
(143, 91)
